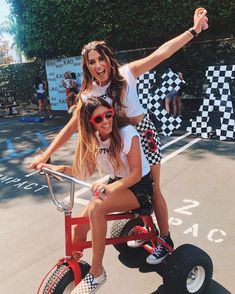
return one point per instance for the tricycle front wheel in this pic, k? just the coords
(188, 270)
(61, 280)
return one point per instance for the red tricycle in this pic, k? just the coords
(188, 269)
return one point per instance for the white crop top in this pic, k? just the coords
(131, 101)
(127, 133)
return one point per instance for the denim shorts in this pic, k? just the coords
(143, 190)
(40, 96)
(172, 94)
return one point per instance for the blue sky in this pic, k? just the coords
(4, 11)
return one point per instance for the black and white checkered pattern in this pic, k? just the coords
(88, 284)
(218, 98)
(154, 102)
(142, 127)
(144, 83)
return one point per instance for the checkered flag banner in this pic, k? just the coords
(153, 101)
(218, 98)
(144, 84)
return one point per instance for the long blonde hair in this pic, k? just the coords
(88, 146)
(118, 85)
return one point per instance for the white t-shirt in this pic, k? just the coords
(131, 101)
(127, 133)
(67, 83)
(40, 89)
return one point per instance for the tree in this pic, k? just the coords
(53, 28)
(9, 27)
(5, 58)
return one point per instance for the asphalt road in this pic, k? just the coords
(197, 181)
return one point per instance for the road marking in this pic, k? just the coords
(42, 139)
(33, 173)
(175, 140)
(10, 147)
(173, 154)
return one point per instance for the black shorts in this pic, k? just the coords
(143, 190)
(41, 96)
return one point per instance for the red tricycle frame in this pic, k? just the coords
(188, 270)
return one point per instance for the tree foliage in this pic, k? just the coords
(52, 28)
(5, 58)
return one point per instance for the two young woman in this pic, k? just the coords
(116, 153)
(103, 77)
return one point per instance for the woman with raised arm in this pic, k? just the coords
(117, 153)
(104, 77)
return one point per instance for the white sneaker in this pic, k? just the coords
(90, 284)
(135, 243)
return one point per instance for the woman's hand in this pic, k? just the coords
(40, 158)
(57, 168)
(100, 190)
(200, 20)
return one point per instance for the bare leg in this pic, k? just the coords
(159, 203)
(79, 232)
(47, 106)
(98, 210)
(40, 107)
(167, 104)
(174, 106)
(69, 99)
(179, 104)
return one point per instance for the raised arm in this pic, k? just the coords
(62, 137)
(140, 66)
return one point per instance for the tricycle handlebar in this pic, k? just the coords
(62, 206)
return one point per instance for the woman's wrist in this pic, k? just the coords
(193, 32)
(44, 157)
(64, 169)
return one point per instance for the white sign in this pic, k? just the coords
(55, 69)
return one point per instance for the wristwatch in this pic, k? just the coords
(193, 32)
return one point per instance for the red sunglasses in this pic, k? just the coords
(108, 114)
(152, 145)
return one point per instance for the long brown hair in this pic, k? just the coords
(88, 146)
(118, 85)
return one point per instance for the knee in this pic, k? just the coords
(75, 229)
(95, 209)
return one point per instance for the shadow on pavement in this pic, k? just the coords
(214, 288)
(138, 261)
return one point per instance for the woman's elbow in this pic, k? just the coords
(138, 176)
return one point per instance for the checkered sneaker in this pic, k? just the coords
(90, 284)
(153, 157)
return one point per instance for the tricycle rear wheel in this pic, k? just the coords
(188, 270)
(122, 228)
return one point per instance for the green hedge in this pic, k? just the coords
(20, 79)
